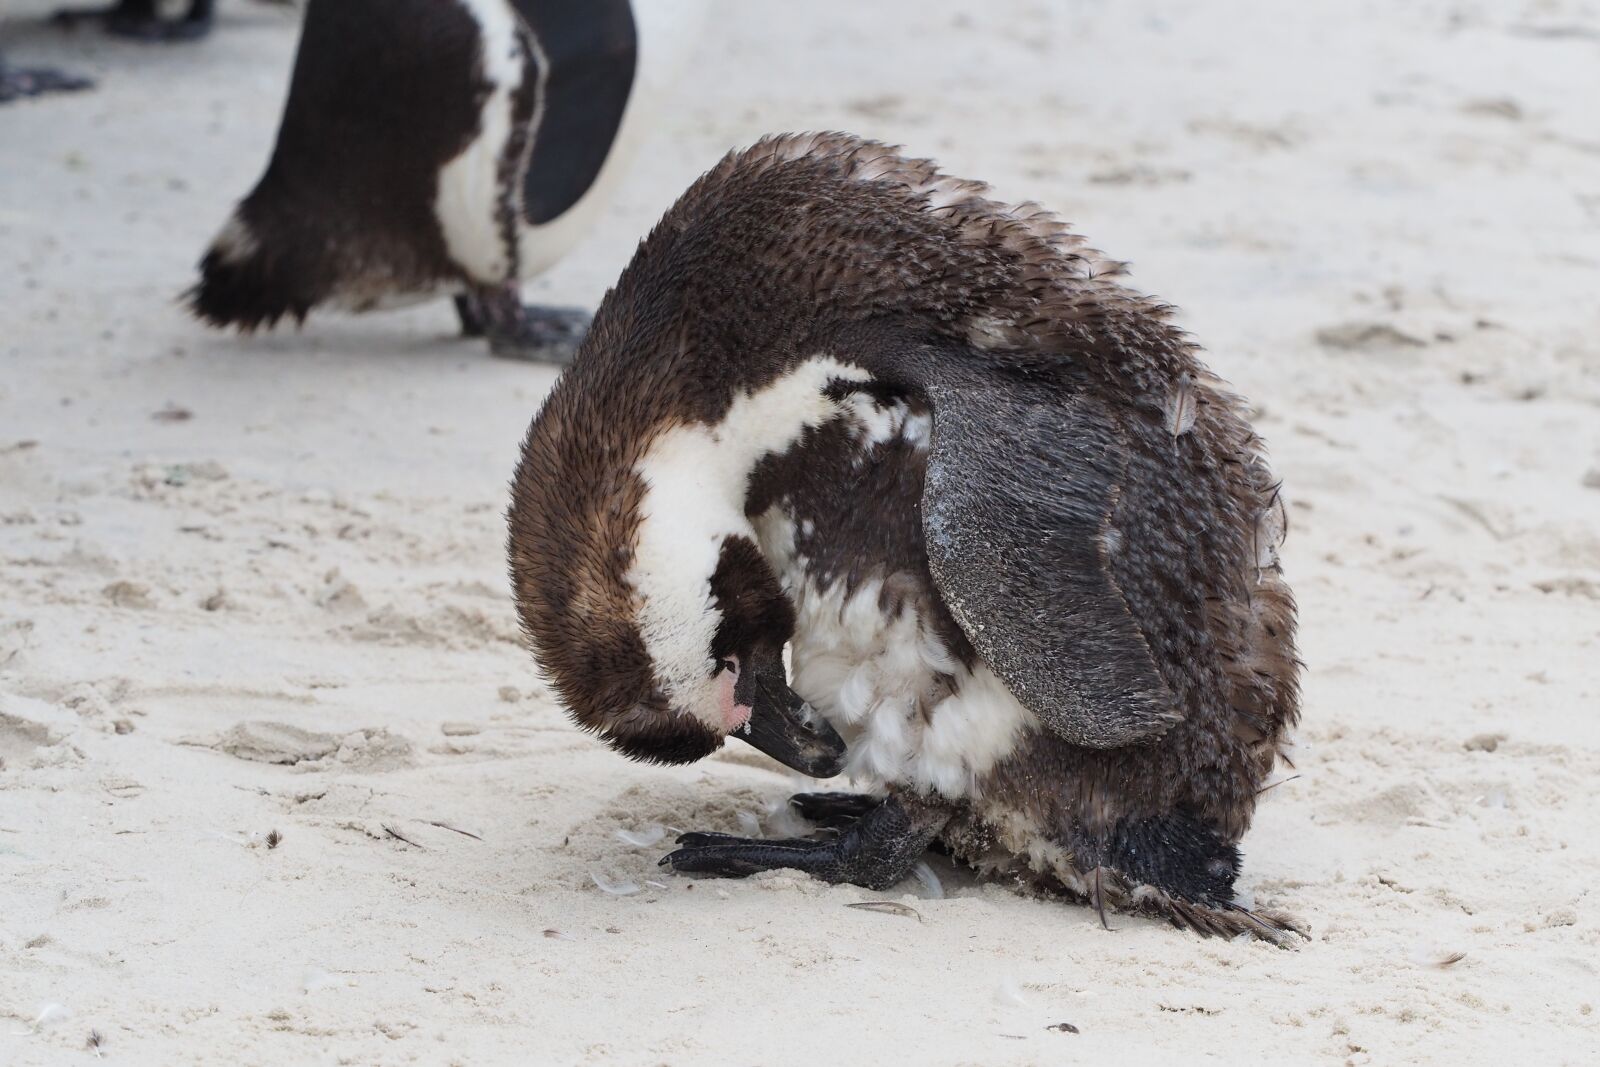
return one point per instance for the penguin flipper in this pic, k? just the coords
(1016, 509)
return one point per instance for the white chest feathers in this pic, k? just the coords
(912, 714)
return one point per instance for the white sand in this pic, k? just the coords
(320, 546)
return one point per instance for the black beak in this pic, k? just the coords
(784, 726)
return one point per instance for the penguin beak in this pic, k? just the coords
(786, 727)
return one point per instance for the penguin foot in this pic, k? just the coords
(833, 811)
(470, 311)
(541, 335)
(877, 851)
(516, 331)
(18, 82)
(138, 20)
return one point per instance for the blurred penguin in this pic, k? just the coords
(19, 82)
(443, 146)
(140, 20)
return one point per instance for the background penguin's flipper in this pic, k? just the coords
(1020, 487)
(589, 50)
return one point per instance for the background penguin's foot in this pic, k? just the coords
(18, 82)
(140, 21)
(515, 331)
(877, 851)
(470, 311)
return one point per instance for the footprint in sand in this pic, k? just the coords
(373, 749)
(20, 738)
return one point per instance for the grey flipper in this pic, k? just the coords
(1022, 479)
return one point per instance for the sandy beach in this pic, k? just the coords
(280, 784)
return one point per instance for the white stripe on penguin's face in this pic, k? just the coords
(695, 478)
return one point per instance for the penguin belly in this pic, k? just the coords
(914, 717)
(873, 649)
(475, 203)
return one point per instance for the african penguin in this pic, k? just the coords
(1021, 544)
(442, 146)
(17, 83)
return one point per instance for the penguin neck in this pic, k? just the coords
(696, 477)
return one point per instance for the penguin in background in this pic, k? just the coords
(433, 147)
(1019, 544)
(139, 20)
(18, 83)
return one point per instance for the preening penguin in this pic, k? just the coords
(1021, 544)
(440, 146)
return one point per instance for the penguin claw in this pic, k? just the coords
(877, 852)
(703, 838)
(834, 811)
(733, 857)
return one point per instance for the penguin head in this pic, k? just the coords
(749, 619)
(662, 655)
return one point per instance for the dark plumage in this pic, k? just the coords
(1026, 540)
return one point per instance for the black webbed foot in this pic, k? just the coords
(877, 851)
(833, 811)
(19, 82)
(541, 335)
(702, 838)
(470, 311)
(517, 331)
(140, 21)
(739, 857)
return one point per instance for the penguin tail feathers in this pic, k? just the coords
(248, 282)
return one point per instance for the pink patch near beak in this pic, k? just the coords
(734, 714)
